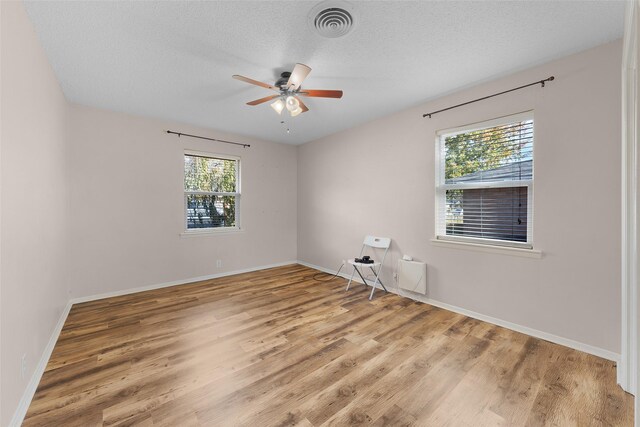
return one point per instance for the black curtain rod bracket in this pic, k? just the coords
(208, 139)
(540, 82)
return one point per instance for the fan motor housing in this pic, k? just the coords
(284, 78)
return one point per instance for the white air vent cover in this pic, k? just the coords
(332, 19)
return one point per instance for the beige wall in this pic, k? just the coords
(127, 197)
(34, 203)
(378, 179)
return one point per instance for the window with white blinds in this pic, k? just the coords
(485, 182)
(211, 191)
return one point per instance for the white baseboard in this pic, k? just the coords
(596, 351)
(176, 282)
(27, 396)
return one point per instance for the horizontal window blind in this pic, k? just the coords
(485, 183)
(211, 192)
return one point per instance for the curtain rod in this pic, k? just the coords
(208, 139)
(540, 82)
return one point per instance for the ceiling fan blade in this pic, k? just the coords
(261, 100)
(302, 106)
(299, 73)
(255, 82)
(320, 93)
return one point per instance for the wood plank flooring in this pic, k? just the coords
(277, 348)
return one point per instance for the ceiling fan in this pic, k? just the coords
(290, 90)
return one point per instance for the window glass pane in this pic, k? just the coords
(488, 213)
(208, 211)
(209, 174)
(499, 153)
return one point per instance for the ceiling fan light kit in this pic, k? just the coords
(292, 103)
(278, 106)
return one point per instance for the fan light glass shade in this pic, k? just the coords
(292, 103)
(296, 112)
(278, 106)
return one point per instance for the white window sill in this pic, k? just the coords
(210, 232)
(493, 249)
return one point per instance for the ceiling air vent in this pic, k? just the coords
(332, 19)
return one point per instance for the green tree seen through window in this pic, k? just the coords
(487, 149)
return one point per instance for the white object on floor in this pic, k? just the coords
(412, 276)
(372, 243)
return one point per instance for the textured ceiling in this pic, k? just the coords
(174, 60)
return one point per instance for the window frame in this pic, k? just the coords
(441, 188)
(237, 194)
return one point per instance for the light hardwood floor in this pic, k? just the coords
(276, 348)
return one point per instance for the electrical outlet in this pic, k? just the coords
(219, 263)
(23, 366)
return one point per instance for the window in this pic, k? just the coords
(485, 181)
(211, 191)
